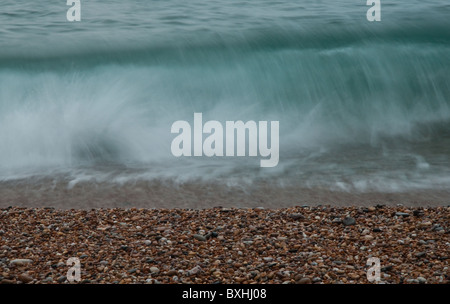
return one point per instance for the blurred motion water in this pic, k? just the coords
(364, 107)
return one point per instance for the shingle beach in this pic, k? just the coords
(297, 245)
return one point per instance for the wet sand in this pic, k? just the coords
(143, 194)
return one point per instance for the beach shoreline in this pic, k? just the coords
(60, 194)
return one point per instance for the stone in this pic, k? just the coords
(420, 254)
(199, 237)
(417, 212)
(20, 262)
(304, 281)
(61, 264)
(368, 237)
(24, 277)
(421, 280)
(387, 268)
(425, 224)
(197, 269)
(154, 270)
(437, 227)
(296, 216)
(404, 214)
(336, 220)
(348, 221)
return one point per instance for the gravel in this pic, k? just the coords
(297, 245)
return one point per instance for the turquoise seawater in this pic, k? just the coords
(362, 106)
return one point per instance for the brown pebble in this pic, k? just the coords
(304, 281)
(24, 277)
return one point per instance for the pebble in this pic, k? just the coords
(25, 278)
(387, 268)
(154, 270)
(437, 228)
(304, 281)
(197, 269)
(348, 221)
(199, 237)
(421, 280)
(368, 237)
(418, 213)
(21, 262)
(297, 216)
(425, 224)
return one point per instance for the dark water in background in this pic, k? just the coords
(364, 108)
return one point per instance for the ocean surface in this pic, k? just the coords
(86, 107)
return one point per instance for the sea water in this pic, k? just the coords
(363, 107)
